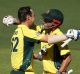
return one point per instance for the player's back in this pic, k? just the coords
(22, 48)
(17, 48)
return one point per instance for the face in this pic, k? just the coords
(47, 25)
(51, 25)
(31, 19)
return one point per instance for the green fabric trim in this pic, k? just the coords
(28, 52)
(17, 72)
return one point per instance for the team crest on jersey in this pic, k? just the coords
(38, 33)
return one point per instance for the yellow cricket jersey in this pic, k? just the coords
(54, 53)
(23, 41)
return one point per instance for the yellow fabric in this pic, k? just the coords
(17, 41)
(31, 33)
(39, 28)
(48, 62)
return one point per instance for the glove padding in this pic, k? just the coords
(73, 34)
(58, 72)
(8, 20)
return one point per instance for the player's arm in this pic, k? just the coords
(8, 20)
(51, 39)
(36, 36)
(65, 62)
(66, 58)
(39, 55)
(71, 33)
(56, 38)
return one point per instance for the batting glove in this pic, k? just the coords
(9, 20)
(74, 34)
(58, 72)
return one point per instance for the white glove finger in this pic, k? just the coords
(72, 33)
(8, 20)
(69, 33)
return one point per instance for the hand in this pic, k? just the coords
(74, 34)
(8, 20)
(58, 72)
(78, 34)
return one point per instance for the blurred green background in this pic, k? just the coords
(71, 10)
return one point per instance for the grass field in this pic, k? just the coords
(71, 10)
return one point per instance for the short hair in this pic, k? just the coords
(23, 12)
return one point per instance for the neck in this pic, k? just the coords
(53, 29)
(27, 24)
(49, 30)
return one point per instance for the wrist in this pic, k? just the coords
(58, 72)
(78, 34)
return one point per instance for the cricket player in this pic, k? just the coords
(55, 58)
(24, 39)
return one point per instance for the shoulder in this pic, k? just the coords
(39, 27)
(58, 31)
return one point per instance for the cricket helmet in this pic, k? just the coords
(53, 15)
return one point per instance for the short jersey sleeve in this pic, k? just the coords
(39, 27)
(65, 50)
(32, 34)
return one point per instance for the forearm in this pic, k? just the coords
(16, 22)
(56, 38)
(65, 64)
